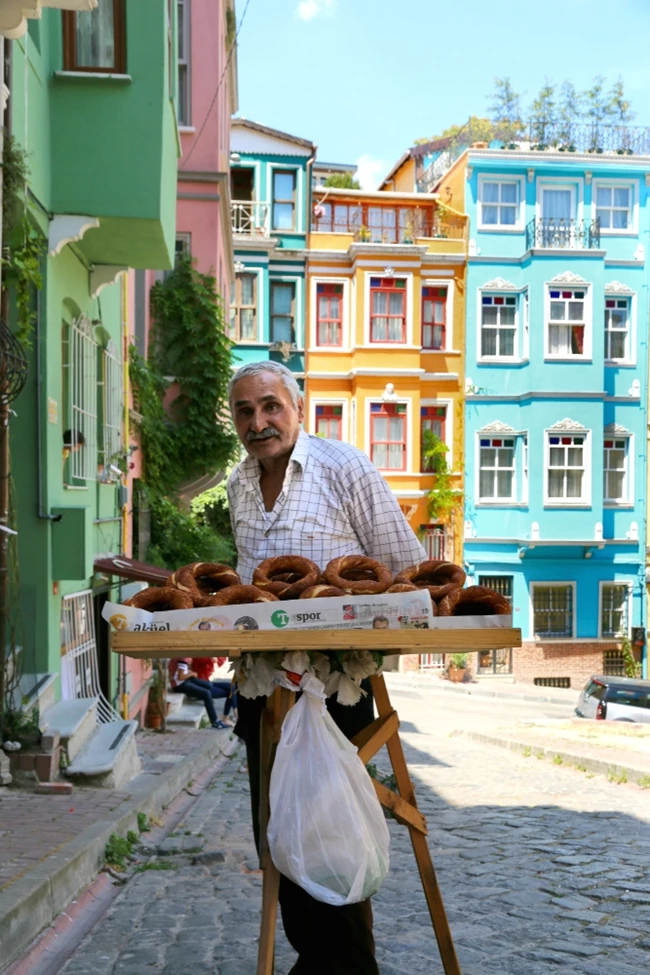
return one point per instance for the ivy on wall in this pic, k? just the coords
(443, 498)
(190, 357)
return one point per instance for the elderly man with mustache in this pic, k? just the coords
(296, 494)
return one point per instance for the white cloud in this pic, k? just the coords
(308, 9)
(370, 171)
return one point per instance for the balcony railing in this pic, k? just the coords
(250, 217)
(566, 234)
(388, 224)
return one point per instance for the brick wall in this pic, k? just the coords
(578, 661)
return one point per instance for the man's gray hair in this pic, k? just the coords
(257, 368)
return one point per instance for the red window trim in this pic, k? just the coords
(329, 294)
(388, 290)
(443, 436)
(387, 411)
(443, 302)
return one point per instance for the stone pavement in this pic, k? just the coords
(544, 871)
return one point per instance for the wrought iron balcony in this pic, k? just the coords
(250, 217)
(566, 234)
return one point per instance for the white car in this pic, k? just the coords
(615, 699)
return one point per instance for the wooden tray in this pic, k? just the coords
(185, 643)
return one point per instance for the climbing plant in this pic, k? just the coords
(442, 498)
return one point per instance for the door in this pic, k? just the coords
(557, 216)
(496, 661)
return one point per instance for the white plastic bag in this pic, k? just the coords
(327, 831)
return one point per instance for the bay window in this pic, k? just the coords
(566, 322)
(434, 318)
(566, 467)
(388, 310)
(329, 314)
(498, 326)
(615, 469)
(388, 436)
(496, 468)
(95, 40)
(617, 328)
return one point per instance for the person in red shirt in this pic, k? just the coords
(204, 667)
(184, 680)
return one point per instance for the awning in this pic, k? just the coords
(120, 565)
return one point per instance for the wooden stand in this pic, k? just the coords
(383, 731)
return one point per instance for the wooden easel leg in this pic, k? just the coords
(418, 838)
(272, 717)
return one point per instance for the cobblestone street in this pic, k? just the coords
(543, 869)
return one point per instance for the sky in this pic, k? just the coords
(363, 79)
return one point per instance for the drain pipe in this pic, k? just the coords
(42, 513)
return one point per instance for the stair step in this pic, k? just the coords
(175, 701)
(188, 716)
(36, 691)
(110, 758)
(75, 722)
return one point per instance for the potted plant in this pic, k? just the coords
(157, 707)
(457, 668)
(364, 234)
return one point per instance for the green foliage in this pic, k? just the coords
(632, 666)
(177, 538)
(132, 837)
(459, 660)
(505, 108)
(343, 181)
(23, 245)
(144, 825)
(155, 865)
(231, 27)
(118, 850)
(210, 509)
(443, 499)
(482, 130)
(22, 726)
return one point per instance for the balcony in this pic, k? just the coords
(250, 218)
(373, 224)
(563, 234)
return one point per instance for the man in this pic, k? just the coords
(297, 494)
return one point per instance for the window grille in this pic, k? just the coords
(437, 542)
(500, 584)
(82, 396)
(614, 663)
(79, 669)
(614, 610)
(553, 610)
(112, 404)
(431, 661)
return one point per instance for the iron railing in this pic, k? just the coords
(250, 217)
(379, 224)
(565, 234)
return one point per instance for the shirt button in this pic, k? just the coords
(267, 532)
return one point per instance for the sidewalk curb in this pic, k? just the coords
(447, 687)
(596, 765)
(32, 902)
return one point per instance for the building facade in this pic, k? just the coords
(385, 321)
(270, 217)
(556, 398)
(97, 121)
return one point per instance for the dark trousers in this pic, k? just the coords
(348, 946)
(201, 690)
(225, 688)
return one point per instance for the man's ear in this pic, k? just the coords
(301, 409)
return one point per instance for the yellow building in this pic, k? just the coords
(384, 340)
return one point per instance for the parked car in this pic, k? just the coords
(615, 699)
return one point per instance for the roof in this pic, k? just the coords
(336, 167)
(244, 123)
(121, 565)
(415, 152)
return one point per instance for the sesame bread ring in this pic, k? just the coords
(234, 595)
(433, 573)
(158, 599)
(337, 574)
(402, 587)
(295, 571)
(321, 592)
(479, 601)
(204, 579)
(444, 606)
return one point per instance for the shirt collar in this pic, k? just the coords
(250, 466)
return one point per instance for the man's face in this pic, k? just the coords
(380, 624)
(266, 421)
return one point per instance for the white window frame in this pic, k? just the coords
(633, 186)
(553, 585)
(631, 322)
(408, 400)
(587, 350)
(561, 183)
(408, 337)
(253, 272)
(345, 345)
(112, 409)
(585, 500)
(330, 401)
(449, 431)
(184, 61)
(82, 397)
(629, 479)
(628, 608)
(494, 501)
(518, 225)
(516, 356)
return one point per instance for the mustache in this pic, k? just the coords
(263, 435)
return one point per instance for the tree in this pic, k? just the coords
(569, 111)
(542, 112)
(619, 108)
(475, 129)
(505, 108)
(342, 181)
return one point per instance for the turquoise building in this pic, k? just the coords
(556, 395)
(271, 217)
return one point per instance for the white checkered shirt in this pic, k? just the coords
(333, 502)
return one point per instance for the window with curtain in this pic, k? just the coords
(496, 468)
(553, 614)
(433, 419)
(499, 203)
(614, 207)
(284, 199)
(183, 62)
(566, 467)
(329, 421)
(498, 326)
(434, 318)
(95, 40)
(243, 309)
(387, 310)
(615, 465)
(614, 599)
(617, 328)
(566, 325)
(329, 314)
(282, 312)
(388, 436)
